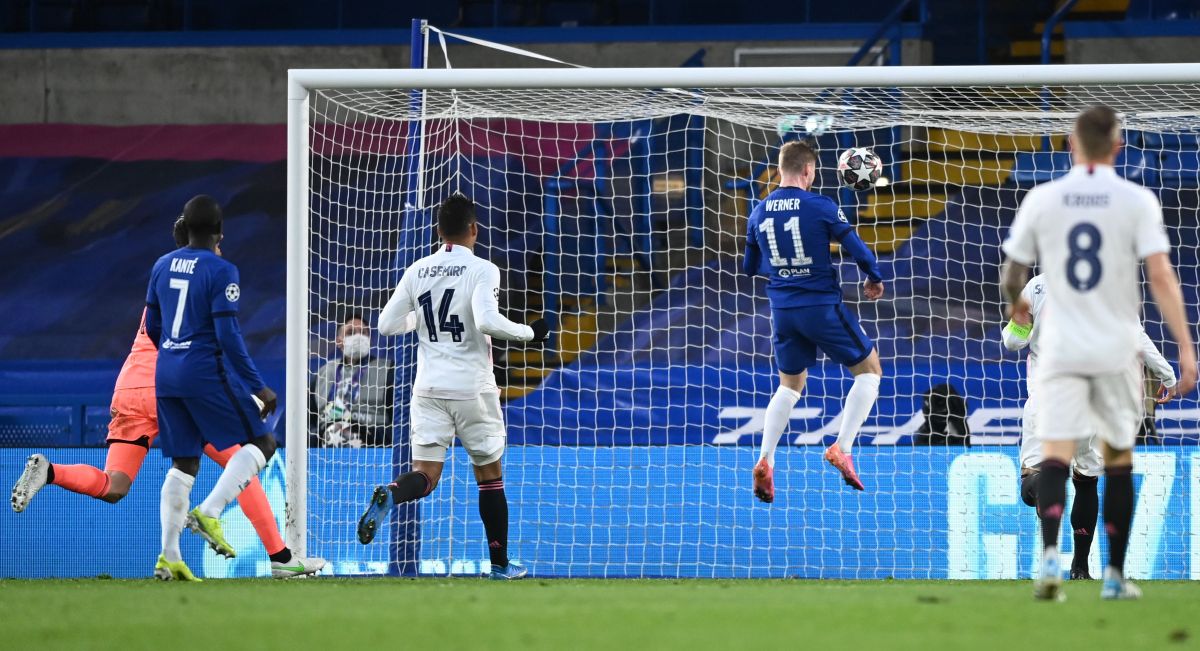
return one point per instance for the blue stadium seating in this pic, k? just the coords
(1033, 167)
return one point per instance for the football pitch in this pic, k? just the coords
(585, 614)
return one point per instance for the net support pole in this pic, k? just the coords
(405, 547)
(296, 368)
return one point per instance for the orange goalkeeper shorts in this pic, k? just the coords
(134, 416)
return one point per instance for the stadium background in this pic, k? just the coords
(114, 113)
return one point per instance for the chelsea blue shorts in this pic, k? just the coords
(225, 417)
(801, 331)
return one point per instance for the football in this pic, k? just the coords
(859, 168)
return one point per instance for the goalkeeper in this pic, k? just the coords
(807, 313)
(1088, 462)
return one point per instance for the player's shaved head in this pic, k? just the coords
(1097, 132)
(202, 216)
(455, 216)
(181, 233)
(795, 157)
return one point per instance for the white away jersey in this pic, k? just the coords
(452, 300)
(1035, 293)
(1089, 231)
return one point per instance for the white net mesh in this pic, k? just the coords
(620, 215)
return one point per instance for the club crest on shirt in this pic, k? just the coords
(842, 216)
(232, 292)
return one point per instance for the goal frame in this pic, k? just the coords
(301, 81)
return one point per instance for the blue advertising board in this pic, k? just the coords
(686, 510)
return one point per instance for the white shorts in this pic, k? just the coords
(477, 423)
(1088, 460)
(1076, 405)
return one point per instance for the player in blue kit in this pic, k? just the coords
(787, 240)
(204, 380)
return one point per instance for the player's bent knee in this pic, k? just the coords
(187, 465)
(1029, 489)
(265, 444)
(118, 487)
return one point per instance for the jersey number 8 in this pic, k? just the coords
(1084, 243)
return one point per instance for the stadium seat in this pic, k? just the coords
(1176, 140)
(1133, 164)
(38, 426)
(1033, 167)
(1181, 168)
(95, 425)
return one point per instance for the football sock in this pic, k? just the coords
(282, 556)
(243, 467)
(493, 510)
(80, 478)
(1084, 510)
(410, 486)
(779, 412)
(1052, 495)
(1118, 513)
(172, 510)
(253, 501)
(859, 402)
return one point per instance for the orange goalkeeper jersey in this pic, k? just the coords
(138, 371)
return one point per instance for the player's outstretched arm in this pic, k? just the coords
(1016, 334)
(399, 316)
(153, 323)
(1159, 366)
(485, 304)
(1013, 276)
(853, 244)
(1164, 287)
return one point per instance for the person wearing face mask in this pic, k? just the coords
(352, 396)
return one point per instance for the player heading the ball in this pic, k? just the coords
(452, 300)
(1089, 231)
(787, 240)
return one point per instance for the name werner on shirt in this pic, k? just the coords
(776, 205)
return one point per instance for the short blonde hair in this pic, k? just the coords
(795, 156)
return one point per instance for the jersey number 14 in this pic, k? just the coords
(446, 322)
(792, 226)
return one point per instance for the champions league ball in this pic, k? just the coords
(859, 168)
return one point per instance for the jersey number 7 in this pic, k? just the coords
(446, 322)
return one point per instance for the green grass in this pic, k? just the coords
(610, 614)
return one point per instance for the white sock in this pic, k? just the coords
(243, 466)
(172, 510)
(858, 406)
(779, 412)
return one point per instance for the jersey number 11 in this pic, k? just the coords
(792, 226)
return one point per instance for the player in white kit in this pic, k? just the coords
(1088, 462)
(452, 300)
(1089, 231)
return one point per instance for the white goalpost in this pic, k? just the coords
(614, 202)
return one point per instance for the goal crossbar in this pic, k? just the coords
(300, 80)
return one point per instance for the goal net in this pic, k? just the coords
(619, 214)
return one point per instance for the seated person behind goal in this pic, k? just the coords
(1088, 462)
(456, 298)
(351, 397)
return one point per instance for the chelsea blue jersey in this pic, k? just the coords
(191, 289)
(787, 240)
